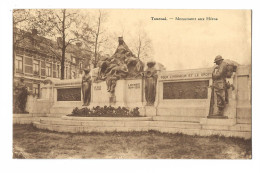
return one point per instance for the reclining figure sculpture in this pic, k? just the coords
(123, 64)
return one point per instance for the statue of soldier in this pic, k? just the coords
(86, 87)
(219, 83)
(21, 91)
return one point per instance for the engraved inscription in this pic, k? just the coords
(184, 75)
(134, 86)
(69, 94)
(97, 87)
(185, 90)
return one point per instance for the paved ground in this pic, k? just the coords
(29, 142)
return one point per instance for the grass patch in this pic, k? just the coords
(30, 142)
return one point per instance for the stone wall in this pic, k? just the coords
(244, 95)
(188, 93)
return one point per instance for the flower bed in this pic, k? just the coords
(106, 111)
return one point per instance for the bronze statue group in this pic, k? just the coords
(122, 65)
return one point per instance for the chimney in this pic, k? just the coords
(34, 32)
(120, 40)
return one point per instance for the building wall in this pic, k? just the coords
(35, 67)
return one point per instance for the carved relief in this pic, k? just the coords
(186, 90)
(69, 94)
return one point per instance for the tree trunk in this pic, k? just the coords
(63, 47)
(62, 65)
(96, 41)
(13, 54)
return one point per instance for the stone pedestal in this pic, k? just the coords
(217, 117)
(150, 111)
(218, 121)
(112, 100)
(142, 111)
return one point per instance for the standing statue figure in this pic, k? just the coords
(220, 87)
(86, 87)
(21, 92)
(150, 83)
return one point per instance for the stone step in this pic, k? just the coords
(185, 125)
(107, 118)
(61, 110)
(215, 127)
(236, 127)
(201, 132)
(22, 115)
(177, 118)
(39, 114)
(182, 111)
(30, 115)
(25, 120)
(241, 127)
(244, 120)
(56, 115)
(122, 123)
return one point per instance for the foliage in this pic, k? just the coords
(106, 111)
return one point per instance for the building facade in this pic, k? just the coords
(35, 60)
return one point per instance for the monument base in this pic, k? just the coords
(142, 111)
(112, 100)
(218, 121)
(217, 117)
(150, 111)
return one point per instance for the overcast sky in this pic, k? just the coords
(182, 44)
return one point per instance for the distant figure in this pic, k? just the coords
(150, 83)
(21, 93)
(86, 87)
(222, 71)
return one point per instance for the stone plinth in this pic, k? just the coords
(99, 94)
(134, 93)
(150, 111)
(120, 99)
(218, 121)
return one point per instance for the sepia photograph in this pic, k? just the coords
(131, 84)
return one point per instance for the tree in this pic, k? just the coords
(141, 44)
(92, 34)
(99, 37)
(61, 25)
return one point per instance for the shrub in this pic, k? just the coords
(106, 111)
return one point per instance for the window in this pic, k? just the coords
(74, 75)
(48, 69)
(73, 59)
(36, 89)
(19, 64)
(80, 65)
(66, 73)
(36, 69)
(58, 71)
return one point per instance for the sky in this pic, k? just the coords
(188, 44)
